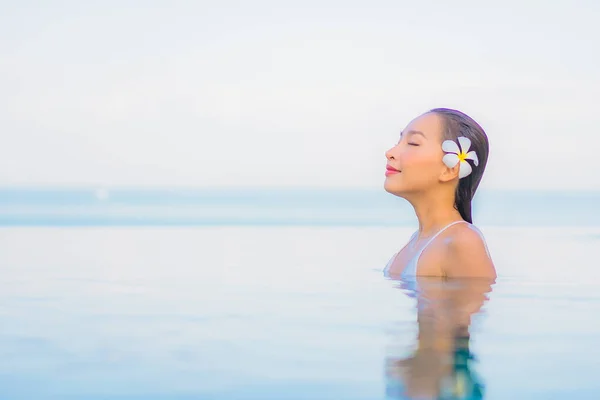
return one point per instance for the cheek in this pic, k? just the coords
(418, 160)
(422, 165)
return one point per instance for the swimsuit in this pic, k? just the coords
(411, 267)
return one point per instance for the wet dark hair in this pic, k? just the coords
(458, 124)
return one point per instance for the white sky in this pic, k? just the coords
(311, 94)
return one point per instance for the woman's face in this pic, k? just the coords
(417, 156)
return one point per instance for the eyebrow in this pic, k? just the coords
(414, 133)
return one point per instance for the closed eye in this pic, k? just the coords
(413, 144)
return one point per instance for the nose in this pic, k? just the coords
(389, 155)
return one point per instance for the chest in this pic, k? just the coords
(422, 259)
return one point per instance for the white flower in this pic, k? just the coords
(456, 154)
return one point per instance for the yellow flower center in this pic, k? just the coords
(462, 156)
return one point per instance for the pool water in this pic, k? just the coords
(292, 312)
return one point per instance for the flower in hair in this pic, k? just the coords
(459, 153)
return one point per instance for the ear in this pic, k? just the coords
(448, 174)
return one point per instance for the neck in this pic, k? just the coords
(434, 211)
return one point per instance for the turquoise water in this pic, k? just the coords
(176, 206)
(131, 294)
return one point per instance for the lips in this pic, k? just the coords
(391, 170)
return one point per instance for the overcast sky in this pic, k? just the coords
(308, 93)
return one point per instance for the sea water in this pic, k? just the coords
(187, 294)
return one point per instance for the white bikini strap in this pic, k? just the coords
(438, 232)
(482, 239)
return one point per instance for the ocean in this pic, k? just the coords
(171, 293)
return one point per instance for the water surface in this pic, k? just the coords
(288, 312)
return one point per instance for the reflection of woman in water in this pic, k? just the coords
(441, 365)
(436, 166)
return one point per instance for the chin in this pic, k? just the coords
(393, 188)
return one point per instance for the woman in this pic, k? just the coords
(437, 165)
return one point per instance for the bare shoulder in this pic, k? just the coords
(467, 254)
